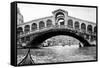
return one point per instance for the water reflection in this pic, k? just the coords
(63, 54)
(60, 49)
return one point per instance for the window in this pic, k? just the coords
(34, 26)
(89, 28)
(49, 23)
(83, 27)
(61, 21)
(19, 30)
(60, 14)
(76, 25)
(70, 23)
(27, 28)
(41, 25)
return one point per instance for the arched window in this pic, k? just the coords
(95, 29)
(27, 28)
(19, 30)
(89, 28)
(76, 25)
(83, 27)
(41, 25)
(60, 14)
(70, 23)
(61, 21)
(49, 23)
(34, 26)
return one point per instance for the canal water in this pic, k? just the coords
(59, 54)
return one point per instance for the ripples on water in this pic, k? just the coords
(61, 54)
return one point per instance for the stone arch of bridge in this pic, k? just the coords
(50, 33)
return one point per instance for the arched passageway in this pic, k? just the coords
(59, 14)
(76, 25)
(50, 33)
(49, 23)
(41, 25)
(27, 28)
(83, 27)
(60, 18)
(19, 30)
(70, 23)
(61, 21)
(89, 29)
(34, 26)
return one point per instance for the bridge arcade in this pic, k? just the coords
(60, 19)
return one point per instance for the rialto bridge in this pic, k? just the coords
(36, 31)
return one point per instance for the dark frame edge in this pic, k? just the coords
(13, 56)
(59, 4)
(97, 32)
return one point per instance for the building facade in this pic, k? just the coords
(20, 19)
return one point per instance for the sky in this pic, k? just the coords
(34, 11)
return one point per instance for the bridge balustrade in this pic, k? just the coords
(46, 28)
(56, 27)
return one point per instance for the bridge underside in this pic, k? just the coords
(38, 38)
